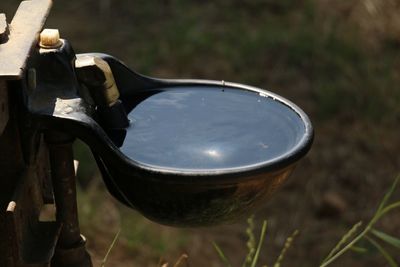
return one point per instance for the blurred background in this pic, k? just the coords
(338, 60)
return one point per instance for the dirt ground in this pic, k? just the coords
(340, 62)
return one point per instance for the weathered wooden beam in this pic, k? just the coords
(3, 28)
(11, 166)
(16, 42)
(33, 241)
(24, 240)
(24, 31)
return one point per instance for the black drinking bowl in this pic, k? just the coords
(195, 152)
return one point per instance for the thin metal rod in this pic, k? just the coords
(63, 178)
(70, 250)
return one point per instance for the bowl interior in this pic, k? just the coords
(208, 128)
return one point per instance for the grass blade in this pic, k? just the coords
(285, 248)
(343, 240)
(221, 255)
(382, 210)
(388, 208)
(103, 263)
(260, 242)
(181, 259)
(360, 250)
(385, 254)
(387, 238)
(251, 242)
(388, 194)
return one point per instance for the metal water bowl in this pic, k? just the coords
(191, 152)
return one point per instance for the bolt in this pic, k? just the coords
(50, 39)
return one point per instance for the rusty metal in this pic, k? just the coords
(70, 250)
(63, 177)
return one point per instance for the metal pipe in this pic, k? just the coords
(70, 250)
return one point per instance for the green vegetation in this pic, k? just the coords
(252, 256)
(349, 241)
(282, 45)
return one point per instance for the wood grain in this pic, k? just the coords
(24, 31)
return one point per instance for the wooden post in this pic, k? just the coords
(24, 172)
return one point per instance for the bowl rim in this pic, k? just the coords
(291, 156)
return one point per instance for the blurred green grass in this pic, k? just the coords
(275, 44)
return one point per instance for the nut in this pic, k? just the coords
(50, 39)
